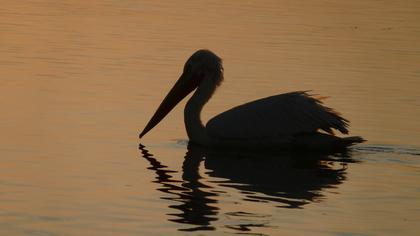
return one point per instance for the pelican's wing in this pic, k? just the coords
(277, 116)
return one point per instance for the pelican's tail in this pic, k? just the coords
(349, 141)
(321, 141)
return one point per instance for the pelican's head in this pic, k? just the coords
(202, 65)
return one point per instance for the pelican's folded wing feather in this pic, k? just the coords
(276, 116)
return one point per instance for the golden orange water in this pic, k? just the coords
(80, 79)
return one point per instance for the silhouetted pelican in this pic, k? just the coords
(290, 120)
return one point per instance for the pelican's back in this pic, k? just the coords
(283, 115)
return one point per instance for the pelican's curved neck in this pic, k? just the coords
(192, 113)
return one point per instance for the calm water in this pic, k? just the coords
(80, 79)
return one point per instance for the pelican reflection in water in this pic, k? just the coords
(287, 180)
(290, 120)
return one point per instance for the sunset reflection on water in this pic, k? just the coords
(79, 80)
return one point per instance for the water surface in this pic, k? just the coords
(79, 80)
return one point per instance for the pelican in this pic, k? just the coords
(294, 120)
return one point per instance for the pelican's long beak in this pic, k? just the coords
(180, 90)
